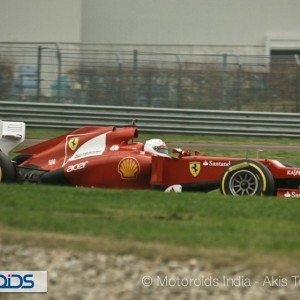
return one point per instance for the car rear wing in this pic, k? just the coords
(11, 135)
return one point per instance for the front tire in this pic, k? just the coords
(248, 178)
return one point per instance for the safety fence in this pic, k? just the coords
(166, 120)
(85, 74)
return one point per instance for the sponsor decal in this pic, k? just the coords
(85, 154)
(76, 167)
(93, 147)
(51, 162)
(293, 172)
(73, 143)
(114, 148)
(212, 163)
(194, 167)
(176, 188)
(23, 281)
(129, 168)
(292, 194)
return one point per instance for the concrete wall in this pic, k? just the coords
(40, 20)
(242, 24)
(178, 26)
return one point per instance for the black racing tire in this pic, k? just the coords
(21, 158)
(55, 177)
(248, 178)
(7, 169)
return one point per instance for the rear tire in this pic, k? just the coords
(21, 158)
(7, 169)
(248, 178)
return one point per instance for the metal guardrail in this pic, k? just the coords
(181, 121)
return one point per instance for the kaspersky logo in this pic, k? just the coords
(293, 172)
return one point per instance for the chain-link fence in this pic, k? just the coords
(75, 73)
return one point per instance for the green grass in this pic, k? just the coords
(37, 133)
(40, 133)
(270, 154)
(190, 220)
(151, 223)
(282, 156)
(200, 138)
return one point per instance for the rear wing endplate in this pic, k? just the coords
(11, 135)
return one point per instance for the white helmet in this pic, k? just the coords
(156, 147)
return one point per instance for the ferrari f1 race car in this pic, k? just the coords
(109, 157)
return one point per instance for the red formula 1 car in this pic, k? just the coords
(109, 157)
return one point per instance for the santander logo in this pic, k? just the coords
(212, 163)
(292, 194)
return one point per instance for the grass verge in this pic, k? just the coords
(288, 156)
(218, 229)
(40, 133)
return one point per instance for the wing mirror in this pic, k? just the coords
(177, 150)
(181, 152)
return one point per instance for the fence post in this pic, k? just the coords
(298, 83)
(179, 82)
(120, 93)
(134, 76)
(39, 61)
(58, 55)
(239, 82)
(224, 91)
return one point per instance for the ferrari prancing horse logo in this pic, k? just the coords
(73, 143)
(195, 168)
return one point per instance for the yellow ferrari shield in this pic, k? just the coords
(73, 143)
(195, 168)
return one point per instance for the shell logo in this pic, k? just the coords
(128, 168)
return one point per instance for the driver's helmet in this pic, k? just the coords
(156, 147)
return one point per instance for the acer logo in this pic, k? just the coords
(76, 167)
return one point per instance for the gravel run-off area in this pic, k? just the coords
(95, 275)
